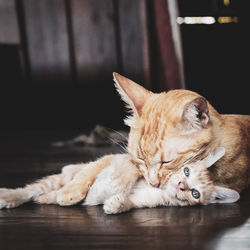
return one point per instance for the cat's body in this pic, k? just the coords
(233, 133)
(118, 188)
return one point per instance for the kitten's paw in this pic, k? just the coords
(5, 204)
(114, 205)
(9, 198)
(71, 195)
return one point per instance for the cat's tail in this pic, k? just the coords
(10, 198)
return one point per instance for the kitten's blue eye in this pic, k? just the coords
(195, 193)
(186, 171)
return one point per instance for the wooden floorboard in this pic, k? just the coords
(27, 155)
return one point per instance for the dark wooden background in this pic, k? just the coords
(57, 59)
(72, 41)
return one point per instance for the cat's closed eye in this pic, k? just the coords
(141, 159)
(165, 162)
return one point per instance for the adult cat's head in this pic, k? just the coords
(166, 129)
(191, 184)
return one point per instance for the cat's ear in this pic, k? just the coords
(131, 93)
(224, 195)
(196, 113)
(214, 156)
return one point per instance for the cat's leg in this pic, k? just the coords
(49, 198)
(141, 195)
(123, 182)
(10, 198)
(72, 169)
(117, 204)
(76, 190)
(120, 203)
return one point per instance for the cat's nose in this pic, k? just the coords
(182, 186)
(155, 184)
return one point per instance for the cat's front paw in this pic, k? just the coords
(71, 195)
(114, 205)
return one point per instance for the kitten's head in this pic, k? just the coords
(192, 184)
(166, 129)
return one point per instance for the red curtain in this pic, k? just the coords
(167, 68)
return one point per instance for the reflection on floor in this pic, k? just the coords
(27, 155)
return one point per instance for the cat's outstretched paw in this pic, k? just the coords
(5, 204)
(114, 205)
(10, 198)
(71, 195)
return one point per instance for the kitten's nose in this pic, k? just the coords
(182, 186)
(155, 184)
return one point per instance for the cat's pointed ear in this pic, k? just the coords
(224, 195)
(214, 156)
(196, 113)
(131, 93)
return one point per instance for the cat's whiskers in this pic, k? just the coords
(118, 143)
(122, 144)
(200, 151)
(119, 133)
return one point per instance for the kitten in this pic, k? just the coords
(188, 185)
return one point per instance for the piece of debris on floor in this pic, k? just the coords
(99, 136)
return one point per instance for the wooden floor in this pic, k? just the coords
(27, 155)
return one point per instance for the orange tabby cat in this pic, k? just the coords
(168, 129)
(171, 128)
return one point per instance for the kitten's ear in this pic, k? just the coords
(214, 156)
(224, 195)
(196, 113)
(132, 93)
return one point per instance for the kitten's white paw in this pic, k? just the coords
(10, 198)
(114, 205)
(2, 204)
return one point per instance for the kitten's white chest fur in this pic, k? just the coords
(114, 179)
